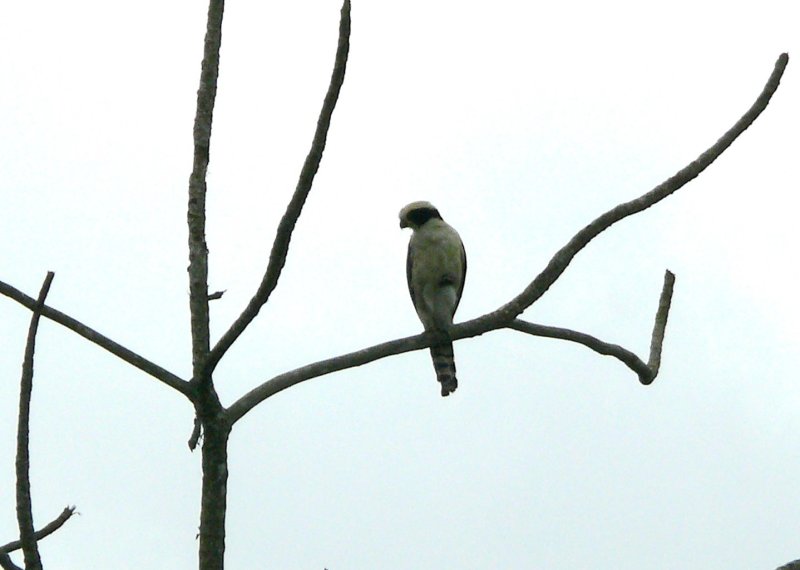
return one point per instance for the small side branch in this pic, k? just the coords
(659, 326)
(45, 531)
(24, 510)
(280, 247)
(102, 341)
(625, 356)
(646, 372)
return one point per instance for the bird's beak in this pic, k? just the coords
(403, 224)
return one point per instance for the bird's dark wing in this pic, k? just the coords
(463, 276)
(409, 265)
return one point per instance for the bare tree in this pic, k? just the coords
(214, 422)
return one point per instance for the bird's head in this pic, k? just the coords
(417, 213)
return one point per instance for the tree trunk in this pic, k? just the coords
(215, 487)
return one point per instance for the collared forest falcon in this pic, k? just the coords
(435, 268)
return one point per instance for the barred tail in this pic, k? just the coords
(445, 366)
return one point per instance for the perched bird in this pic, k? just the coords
(435, 268)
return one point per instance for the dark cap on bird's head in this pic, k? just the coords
(416, 214)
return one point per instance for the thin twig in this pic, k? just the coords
(102, 341)
(505, 315)
(27, 536)
(280, 247)
(196, 213)
(46, 530)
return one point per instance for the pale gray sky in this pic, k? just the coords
(521, 121)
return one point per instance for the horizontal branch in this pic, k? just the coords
(366, 355)
(46, 530)
(280, 247)
(102, 341)
(472, 328)
(504, 316)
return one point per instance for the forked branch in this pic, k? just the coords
(648, 371)
(505, 316)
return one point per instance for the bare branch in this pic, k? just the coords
(46, 530)
(408, 344)
(280, 247)
(659, 326)
(24, 510)
(196, 213)
(646, 372)
(564, 256)
(323, 367)
(505, 316)
(607, 349)
(6, 563)
(197, 431)
(95, 337)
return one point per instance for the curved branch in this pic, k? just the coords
(646, 372)
(95, 337)
(624, 355)
(27, 534)
(46, 530)
(280, 247)
(505, 315)
(196, 212)
(564, 256)
(6, 563)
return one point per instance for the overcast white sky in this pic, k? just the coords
(521, 121)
